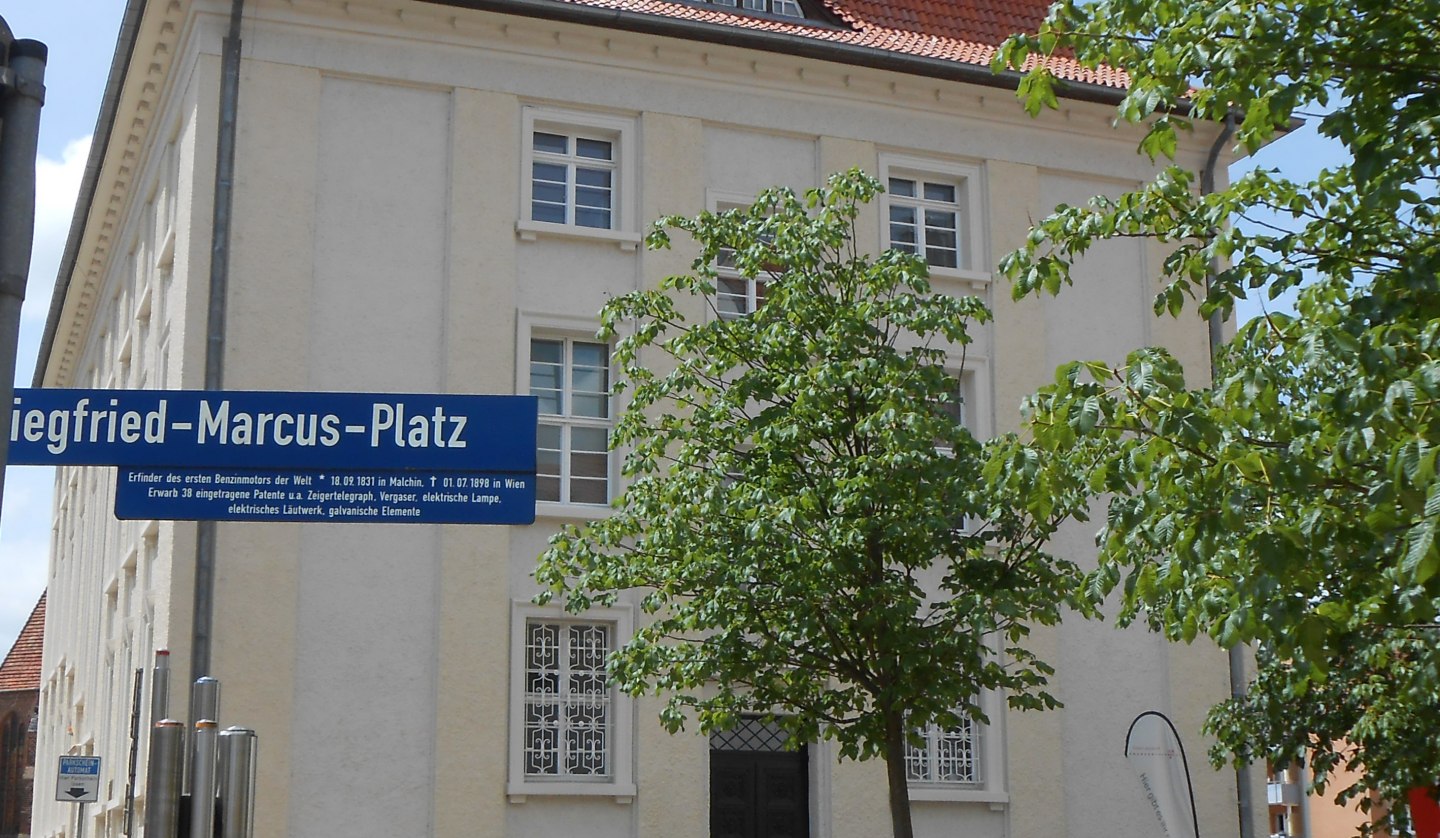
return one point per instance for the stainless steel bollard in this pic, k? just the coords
(237, 782)
(205, 698)
(204, 704)
(162, 779)
(202, 779)
(160, 687)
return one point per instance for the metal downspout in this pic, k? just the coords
(1215, 328)
(22, 95)
(201, 625)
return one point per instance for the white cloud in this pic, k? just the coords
(57, 182)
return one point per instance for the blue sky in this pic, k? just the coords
(81, 36)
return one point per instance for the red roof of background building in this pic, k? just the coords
(21, 669)
(963, 31)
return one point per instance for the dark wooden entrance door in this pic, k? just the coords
(759, 794)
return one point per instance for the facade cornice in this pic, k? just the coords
(143, 54)
(153, 33)
(715, 62)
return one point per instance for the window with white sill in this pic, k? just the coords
(577, 174)
(946, 755)
(930, 210)
(959, 759)
(736, 295)
(570, 728)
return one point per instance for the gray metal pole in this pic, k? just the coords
(22, 94)
(238, 747)
(202, 619)
(162, 780)
(205, 699)
(160, 709)
(202, 780)
(160, 686)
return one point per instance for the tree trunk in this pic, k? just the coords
(895, 770)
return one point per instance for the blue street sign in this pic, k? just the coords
(336, 496)
(250, 429)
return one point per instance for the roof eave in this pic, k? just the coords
(555, 10)
(778, 42)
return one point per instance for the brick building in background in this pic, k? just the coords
(19, 700)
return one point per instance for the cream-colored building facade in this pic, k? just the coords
(397, 226)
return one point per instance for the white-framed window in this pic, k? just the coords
(577, 176)
(570, 729)
(924, 218)
(957, 397)
(569, 713)
(963, 406)
(787, 8)
(571, 378)
(931, 209)
(947, 756)
(736, 295)
(960, 762)
(572, 179)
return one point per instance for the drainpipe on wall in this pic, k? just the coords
(1244, 798)
(201, 629)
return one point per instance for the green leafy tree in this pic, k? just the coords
(798, 492)
(1293, 503)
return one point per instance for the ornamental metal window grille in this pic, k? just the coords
(946, 755)
(788, 8)
(572, 180)
(751, 733)
(568, 718)
(925, 220)
(571, 378)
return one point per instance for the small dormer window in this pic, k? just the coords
(787, 8)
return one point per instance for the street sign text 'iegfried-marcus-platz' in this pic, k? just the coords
(281, 456)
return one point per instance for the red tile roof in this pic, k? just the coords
(21, 669)
(962, 31)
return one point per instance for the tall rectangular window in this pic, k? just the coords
(925, 218)
(570, 730)
(736, 295)
(946, 755)
(572, 179)
(571, 378)
(935, 210)
(568, 708)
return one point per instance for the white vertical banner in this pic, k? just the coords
(1153, 748)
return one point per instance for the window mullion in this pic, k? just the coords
(572, 178)
(566, 452)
